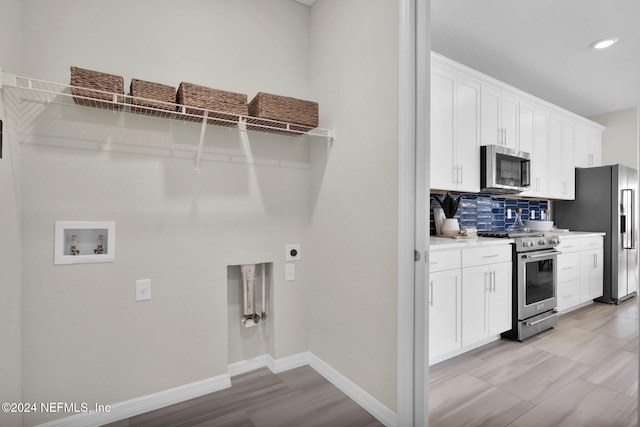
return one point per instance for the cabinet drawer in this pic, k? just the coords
(444, 260)
(568, 266)
(569, 245)
(591, 243)
(486, 255)
(568, 294)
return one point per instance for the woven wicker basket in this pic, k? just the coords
(283, 109)
(97, 81)
(196, 99)
(152, 95)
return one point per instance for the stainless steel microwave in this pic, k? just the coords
(504, 170)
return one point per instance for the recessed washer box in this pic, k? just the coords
(292, 252)
(82, 242)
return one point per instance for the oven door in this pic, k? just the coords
(537, 278)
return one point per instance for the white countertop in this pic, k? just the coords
(574, 234)
(441, 243)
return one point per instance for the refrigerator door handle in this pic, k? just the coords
(627, 210)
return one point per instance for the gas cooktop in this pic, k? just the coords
(503, 234)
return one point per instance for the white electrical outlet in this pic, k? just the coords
(533, 214)
(292, 252)
(290, 272)
(143, 290)
(508, 213)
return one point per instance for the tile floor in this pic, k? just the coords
(582, 373)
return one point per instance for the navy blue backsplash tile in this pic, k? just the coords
(489, 213)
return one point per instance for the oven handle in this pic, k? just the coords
(555, 314)
(541, 254)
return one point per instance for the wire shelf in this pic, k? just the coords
(44, 92)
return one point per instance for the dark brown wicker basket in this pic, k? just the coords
(198, 98)
(98, 81)
(303, 115)
(148, 94)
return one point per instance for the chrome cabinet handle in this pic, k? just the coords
(431, 293)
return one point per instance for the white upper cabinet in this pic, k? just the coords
(539, 149)
(455, 149)
(470, 109)
(588, 147)
(561, 166)
(499, 117)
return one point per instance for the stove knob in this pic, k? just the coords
(541, 242)
(527, 243)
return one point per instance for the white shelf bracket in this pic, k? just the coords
(200, 144)
(331, 135)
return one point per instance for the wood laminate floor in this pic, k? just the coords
(582, 373)
(299, 397)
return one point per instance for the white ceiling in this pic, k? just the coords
(542, 47)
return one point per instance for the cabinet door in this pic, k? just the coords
(475, 285)
(443, 172)
(556, 180)
(527, 128)
(467, 143)
(444, 312)
(597, 274)
(591, 274)
(568, 294)
(581, 149)
(539, 152)
(490, 132)
(499, 298)
(595, 145)
(509, 106)
(568, 165)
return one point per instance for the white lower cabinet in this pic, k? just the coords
(469, 298)
(580, 271)
(591, 271)
(486, 301)
(444, 312)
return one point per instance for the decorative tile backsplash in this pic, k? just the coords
(486, 212)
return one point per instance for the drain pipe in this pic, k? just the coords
(264, 290)
(249, 316)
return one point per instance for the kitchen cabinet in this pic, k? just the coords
(486, 301)
(580, 270)
(486, 293)
(588, 147)
(444, 293)
(498, 117)
(470, 109)
(591, 268)
(539, 150)
(469, 298)
(561, 165)
(455, 149)
(568, 278)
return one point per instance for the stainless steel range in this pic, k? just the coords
(534, 282)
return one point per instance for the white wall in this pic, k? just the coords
(620, 139)
(354, 229)
(10, 254)
(84, 337)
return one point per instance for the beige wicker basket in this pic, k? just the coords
(99, 83)
(303, 115)
(225, 106)
(152, 95)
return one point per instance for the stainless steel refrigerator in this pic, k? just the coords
(606, 201)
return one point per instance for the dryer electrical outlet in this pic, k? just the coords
(143, 290)
(293, 252)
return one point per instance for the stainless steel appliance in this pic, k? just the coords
(606, 202)
(504, 170)
(534, 283)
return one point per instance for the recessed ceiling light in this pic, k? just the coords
(604, 43)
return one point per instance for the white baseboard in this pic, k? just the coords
(150, 402)
(140, 405)
(385, 415)
(361, 397)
